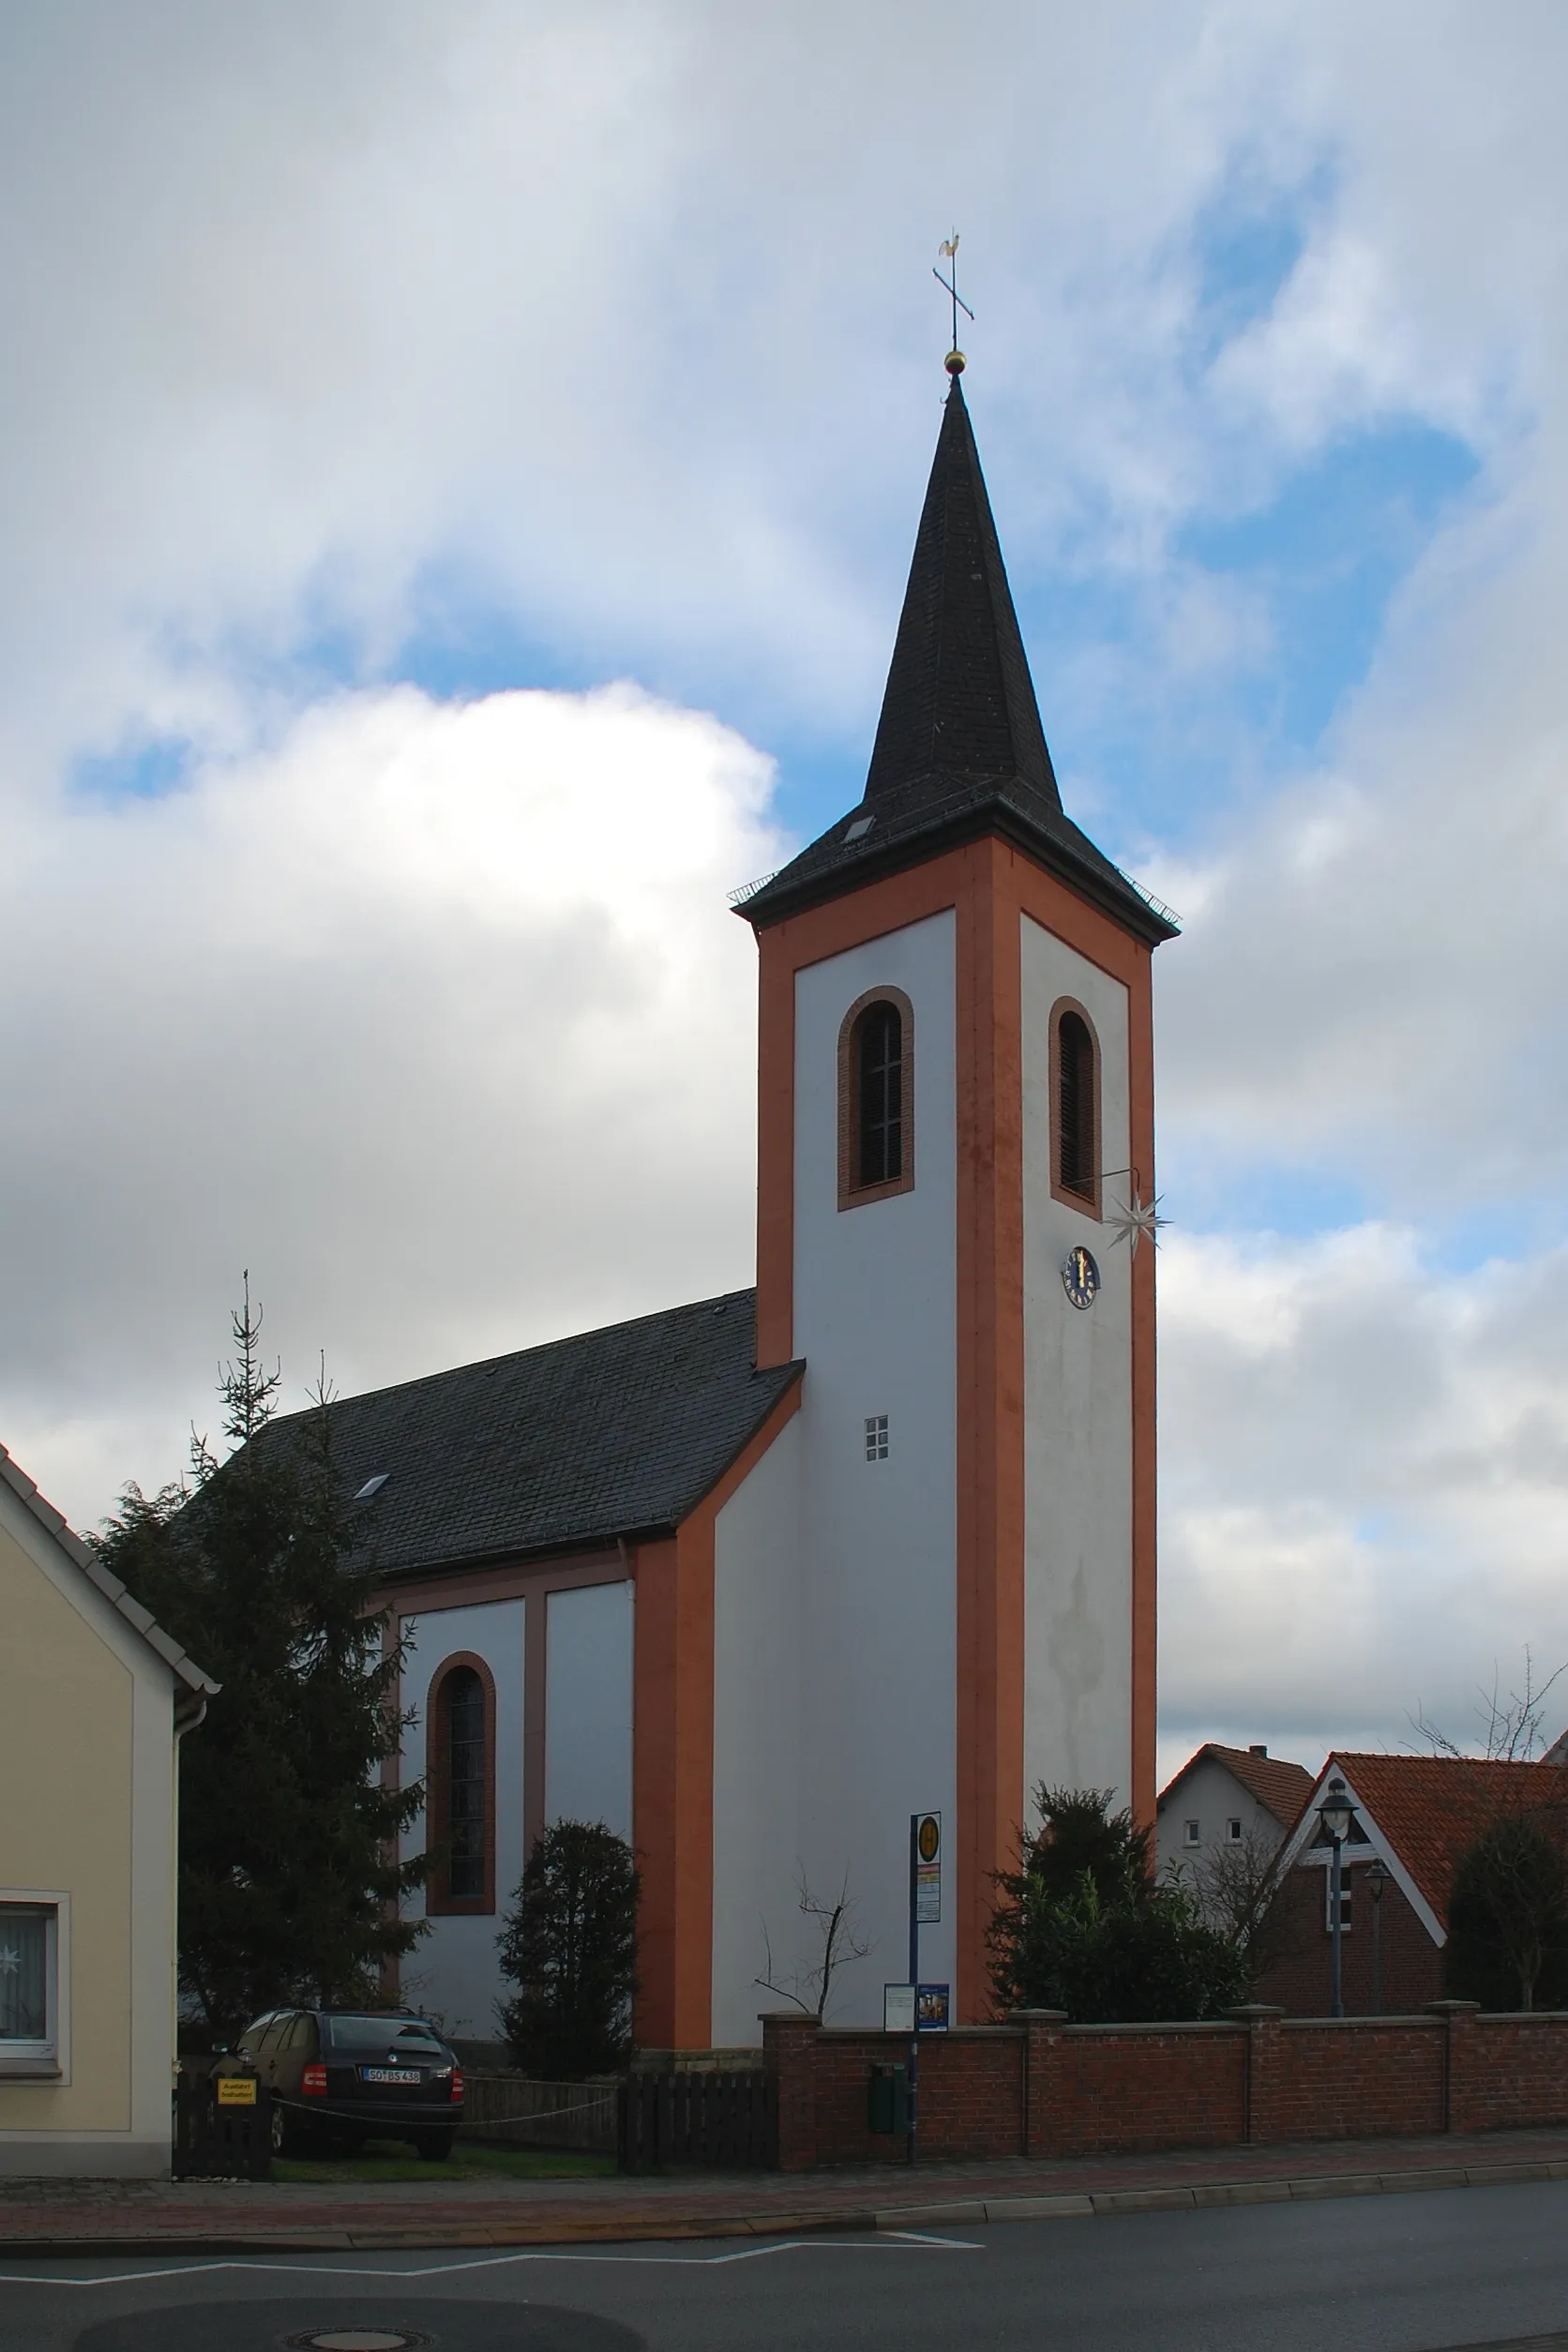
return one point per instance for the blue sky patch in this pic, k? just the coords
(145, 771)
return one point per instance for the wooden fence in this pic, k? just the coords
(211, 2142)
(717, 2121)
(514, 2110)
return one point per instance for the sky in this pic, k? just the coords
(459, 469)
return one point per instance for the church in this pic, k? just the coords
(755, 1580)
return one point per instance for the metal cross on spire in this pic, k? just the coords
(948, 248)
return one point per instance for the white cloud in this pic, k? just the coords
(433, 1017)
(1366, 1489)
(611, 323)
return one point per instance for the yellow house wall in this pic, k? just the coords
(87, 1771)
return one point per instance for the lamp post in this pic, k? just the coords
(1335, 1813)
(1377, 1876)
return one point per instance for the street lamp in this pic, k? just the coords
(1335, 1813)
(1377, 1876)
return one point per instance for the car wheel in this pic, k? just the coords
(432, 2147)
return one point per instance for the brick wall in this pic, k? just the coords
(1409, 1964)
(1114, 2088)
(1042, 2088)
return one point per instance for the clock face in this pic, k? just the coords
(1080, 1277)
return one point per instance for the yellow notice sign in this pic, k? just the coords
(237, 2091)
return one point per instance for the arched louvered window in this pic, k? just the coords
(461, 1786)
(1075, 1085)
(876, 1098)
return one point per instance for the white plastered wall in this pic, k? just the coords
(1210, 1795)
(452, 1970)
(757, 1699)
(1078, 1409)
(875, 1293)
(588, 1705)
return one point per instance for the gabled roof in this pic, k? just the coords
(168, 1649)
(610, 1433)
(959, 750)
(1281, 1788)
(1425, 1810)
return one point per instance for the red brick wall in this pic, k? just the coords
(1040, 2087)
(1358, 2078)
(1409, 1964)
(971, 2093)
(1115, 2088)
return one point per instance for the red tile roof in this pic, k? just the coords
(1282, 1788)
(1430, 1808)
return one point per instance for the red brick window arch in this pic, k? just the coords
(876, 1098)
(1074, 1108)
(459, 1787)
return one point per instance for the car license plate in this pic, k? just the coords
(388, 2074)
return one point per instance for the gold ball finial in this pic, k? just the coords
(954, 363)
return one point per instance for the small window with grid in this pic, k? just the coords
(1233, 1832)
(1191, 1835)
(1328, 1904)
(876, 1436)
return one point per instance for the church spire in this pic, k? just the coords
(959, 751)
(959, 703)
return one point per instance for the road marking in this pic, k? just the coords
(887, 2242)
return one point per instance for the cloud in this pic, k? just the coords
(1365, 1494)
(434, 1017)
(596, 341)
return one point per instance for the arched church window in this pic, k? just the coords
(1075, 1095)
(461, 1786)
(876, 1098)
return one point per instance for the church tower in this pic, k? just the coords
(955, 1102)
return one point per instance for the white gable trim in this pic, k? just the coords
(1298, 1848)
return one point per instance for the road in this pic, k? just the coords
(1366, 2274)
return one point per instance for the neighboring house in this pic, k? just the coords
(94, 1699)
(1415, 1814)
(757, 1578)
(1228, 1797)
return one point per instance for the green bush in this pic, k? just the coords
(1083, 1927)
(1508, 1918)
(569, 1945)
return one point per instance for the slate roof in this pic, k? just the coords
(198, 1683)
(609, 1433)
(1430, 1808)
(1281, 1786)
(959, 750)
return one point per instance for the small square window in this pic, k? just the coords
(1233, 1832)
(876, 1436)
(1190, 1834)
(29, 1987)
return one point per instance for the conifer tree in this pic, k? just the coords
(288, 1881)
(569, 1945)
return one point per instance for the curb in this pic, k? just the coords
(1206, 2194)
(1104, 2204)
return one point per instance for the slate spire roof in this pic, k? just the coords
(959, 750)
(959, 703)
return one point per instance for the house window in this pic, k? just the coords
(30, 1986)
(461, 1786)
(1075, 1094)
(876, 1436)
(1189, 1833)
(1345, 1892)
(1233, 1832)
(876, 1097)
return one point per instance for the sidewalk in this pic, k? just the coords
(184, 2217)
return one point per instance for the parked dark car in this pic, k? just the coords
(353, 2075)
